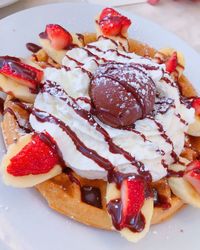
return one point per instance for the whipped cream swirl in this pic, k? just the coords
(154, 142)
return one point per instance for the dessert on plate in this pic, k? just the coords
(105, 127)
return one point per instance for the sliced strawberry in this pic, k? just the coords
(172, 63)
(133, 197)
(58, 36)
(192, 174)
(112, 23)
(196, 105)
(24, 74)
(37, 157)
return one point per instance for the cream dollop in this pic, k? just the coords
(151, 151)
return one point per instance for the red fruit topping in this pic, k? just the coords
(133, 197)
(37, 157)
(27, 75)
(172, 63)
(196, 105)
(192, 174)
(58, 36)
(112, 23)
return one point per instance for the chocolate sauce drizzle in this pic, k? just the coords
(161, 200)
(33, 47)
(81, 38)
(165, 137)
(91, 195)
(1, 105)
(25, 127)
(135, 223)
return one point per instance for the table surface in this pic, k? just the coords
(181, 16)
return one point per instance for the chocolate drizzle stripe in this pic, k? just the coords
(1, 105)
(11, 112)
(89, 118)
(42, 116)
(74, 60)
(104, 37)
(81, 38)
(166, 137)
(182, 120)
(90, 75)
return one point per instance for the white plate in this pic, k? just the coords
(26, 222)
(4, 3)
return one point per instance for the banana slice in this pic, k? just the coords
(58, 55)
(13, 88)
(194, 128)
(122, 41)
(23, 181)
(183, 189)
(147, 210)
(164, 53)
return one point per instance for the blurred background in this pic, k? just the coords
(179, 16)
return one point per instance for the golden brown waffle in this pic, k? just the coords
(63, 195)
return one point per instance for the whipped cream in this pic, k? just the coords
(154, 143)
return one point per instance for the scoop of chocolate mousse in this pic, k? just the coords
(122, 93)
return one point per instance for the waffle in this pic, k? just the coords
(60, 192)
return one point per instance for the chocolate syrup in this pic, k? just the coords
(42, 116)
(74, 60)
(5, 59)
(135, 223)
(172, 173)
(81, 38)
(1, 105)
(166, 137)
(69, 173)
(43, 35)
(22, 105)
(26, 127)
(104, 37)
(162, 105)
(160, 200)
(33, 47)
(181, 119)
(91, 196)
(90, 54)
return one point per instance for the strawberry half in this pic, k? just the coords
(112, 23)
(132, 197)
(37, 157)
(58, 36)
(196, 105)
(172, 63)
(192, 174)
(24, 74)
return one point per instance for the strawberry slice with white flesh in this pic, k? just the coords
(112, 23)
(172, 63)
(192, 174)
(132, 197)
(30, 161)
(20, 72)
(37, 157)
(59, 37)
(196, 105)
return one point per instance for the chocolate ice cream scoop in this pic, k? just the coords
(122, 93)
